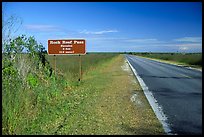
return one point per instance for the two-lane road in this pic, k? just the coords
(178, 91)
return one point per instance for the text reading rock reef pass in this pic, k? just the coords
(63, 47)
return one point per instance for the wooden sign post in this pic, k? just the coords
(80, 68)
(55, 64)
(68, 47)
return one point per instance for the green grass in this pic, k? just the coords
(99, 104)
(41, 107)
(69, 65)
(192, 59)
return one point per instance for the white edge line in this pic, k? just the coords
(153, 102)
(191, 68)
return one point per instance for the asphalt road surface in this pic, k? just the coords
(177, 89)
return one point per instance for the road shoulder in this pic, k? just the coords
(122, 106)
(109, 101)
(174, 63)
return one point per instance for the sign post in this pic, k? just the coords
(55, 64)
(80, 69)
(68, 47)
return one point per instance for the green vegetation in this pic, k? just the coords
(192, 59)
(68, 65)
(35, 101)
(21, 76)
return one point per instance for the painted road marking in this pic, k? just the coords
(185, 76)
(153, 102)
(163, 68)
(168, 62)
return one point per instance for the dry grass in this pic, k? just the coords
(117, 113)
(99, 104)
(107, 108)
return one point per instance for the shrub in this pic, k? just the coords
(32, 80)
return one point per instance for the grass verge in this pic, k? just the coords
(108, 100)
(104, 104)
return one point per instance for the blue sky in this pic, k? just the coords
(114, 26)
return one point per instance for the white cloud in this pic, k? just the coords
(189, 39)
(183, 48)
(142, 40)
(189, 43)
(71, 38)
(98, 32)
(189, 46)
(128, 40)
(105, 38)
(41, 27)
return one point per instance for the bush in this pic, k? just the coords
(32, 80)
(20, 78)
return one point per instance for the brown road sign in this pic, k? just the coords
(66, 47)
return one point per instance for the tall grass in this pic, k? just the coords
(39, 104)
(69, 65)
